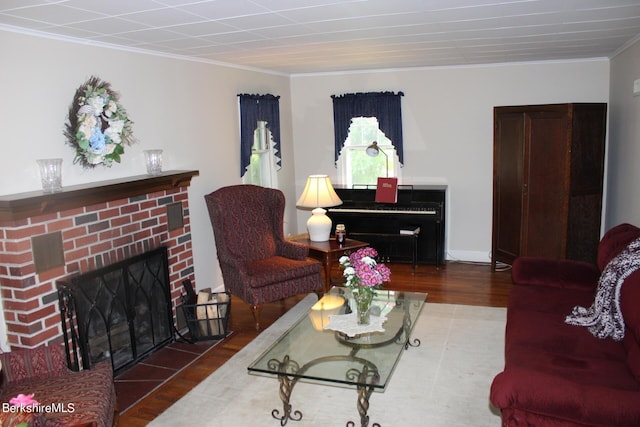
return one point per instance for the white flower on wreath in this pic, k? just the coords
(96, 103)
(114, 130)
(112, 107)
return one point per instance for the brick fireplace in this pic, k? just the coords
(48, 237)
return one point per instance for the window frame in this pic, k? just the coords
(263, 166)
(388, 151)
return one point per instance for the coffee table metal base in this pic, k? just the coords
(364, 393)
(286, 387)
(288, 369)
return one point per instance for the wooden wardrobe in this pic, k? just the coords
(548, 163)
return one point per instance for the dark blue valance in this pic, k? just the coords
(252, 109)
(385, 106)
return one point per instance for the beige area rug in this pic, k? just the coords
(443, 382)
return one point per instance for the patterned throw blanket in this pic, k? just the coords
(604, 317)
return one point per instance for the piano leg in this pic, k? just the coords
(438, 231)
(414, 255)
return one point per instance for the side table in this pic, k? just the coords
(327, 252)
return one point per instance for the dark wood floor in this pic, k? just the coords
(455, 283)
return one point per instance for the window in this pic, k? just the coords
(355, 166)
(263, 161)
(259, 139)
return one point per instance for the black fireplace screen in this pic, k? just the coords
(121, 312)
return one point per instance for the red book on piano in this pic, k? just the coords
(387, 190)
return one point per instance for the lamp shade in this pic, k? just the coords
(373, 149)
(318, 193)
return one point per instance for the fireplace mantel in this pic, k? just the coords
(34, 203)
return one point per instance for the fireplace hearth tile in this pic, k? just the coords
(143, 371)
(170, 358)
(143, 378)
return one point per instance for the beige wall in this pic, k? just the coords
(448, 128)
(623, 196)
(188, 109)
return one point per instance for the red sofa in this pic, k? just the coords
(557, 374)
(68, 398)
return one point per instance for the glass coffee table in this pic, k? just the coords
(309, 352)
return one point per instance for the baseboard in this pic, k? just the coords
(470, 256)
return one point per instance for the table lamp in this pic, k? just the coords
(318, 194)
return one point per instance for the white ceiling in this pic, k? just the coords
(305, 36)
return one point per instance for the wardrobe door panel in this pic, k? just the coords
(546, 182)
(508, 185)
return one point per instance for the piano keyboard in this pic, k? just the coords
(387, 210)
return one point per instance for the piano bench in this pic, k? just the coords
(409, 239)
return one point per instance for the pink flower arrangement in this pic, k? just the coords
(23, 412)
(24, 400)
(362, 271)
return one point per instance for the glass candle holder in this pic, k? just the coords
(154, 161)
(51, 175)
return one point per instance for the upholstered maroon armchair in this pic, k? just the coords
(258, 265)
(68, 398)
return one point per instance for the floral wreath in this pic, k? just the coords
(97, 126)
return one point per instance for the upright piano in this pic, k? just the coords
(411, 230)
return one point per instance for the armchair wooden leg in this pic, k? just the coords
(255, 310)
(116, 416)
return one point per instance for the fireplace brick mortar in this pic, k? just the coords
(92, 236)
